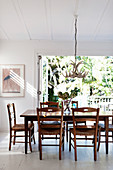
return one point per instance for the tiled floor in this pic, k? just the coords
(17, 160)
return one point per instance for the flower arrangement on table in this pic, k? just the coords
(68, 97)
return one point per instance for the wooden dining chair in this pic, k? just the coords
(49, 129)
(69, 124)
(110, 129)
(84, 130)
(16, 128)
(102, 130)
(49, 104)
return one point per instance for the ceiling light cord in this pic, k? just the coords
(75, 72)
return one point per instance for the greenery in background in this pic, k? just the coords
(99, 80)
(102, 76)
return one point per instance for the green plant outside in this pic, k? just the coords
(99, 80)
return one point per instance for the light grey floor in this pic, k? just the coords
(17, 160)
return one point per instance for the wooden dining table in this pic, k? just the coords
(31, 115)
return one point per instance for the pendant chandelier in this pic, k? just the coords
(75, 72)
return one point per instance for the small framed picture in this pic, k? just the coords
(12, 80)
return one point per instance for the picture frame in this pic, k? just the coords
(12, 80)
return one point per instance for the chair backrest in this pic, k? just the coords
(44, 114)
(85, 111)
(74, 104)
(49, 104)
(11, 114)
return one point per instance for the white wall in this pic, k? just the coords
(24, 52)
(17, 53)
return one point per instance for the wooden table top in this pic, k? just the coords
(33, 113)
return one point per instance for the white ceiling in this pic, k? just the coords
(54, 20)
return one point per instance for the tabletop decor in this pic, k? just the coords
(68, 97)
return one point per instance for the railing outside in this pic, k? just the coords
(103, 102)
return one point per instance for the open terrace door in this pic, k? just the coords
(42, 79)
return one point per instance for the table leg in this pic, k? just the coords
(106, 129)
(26, 133)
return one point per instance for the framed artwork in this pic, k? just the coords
(12, 80)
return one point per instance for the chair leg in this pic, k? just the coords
(95, 148)
(14, 138)
(67, 131)
(38, 142)
(64, 127)
(30, 140)
(10, 140)
(34, 136)
(69, 141)
(85, 136)
(63, 141)
(34, 139)
(60, 144)
(40, 146)
(99, 138)
(75, 148)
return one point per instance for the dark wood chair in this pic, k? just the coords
(49, 104)
(54, 126)
(14, 127)
(84, 130)
(110, 129)
(69, 124)
(110, 136)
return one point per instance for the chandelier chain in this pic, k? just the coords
(75, 72)
(75, 36)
